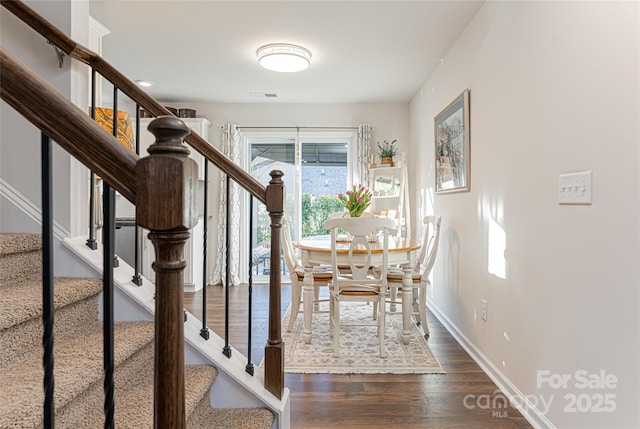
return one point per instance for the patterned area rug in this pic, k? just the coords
(359, 348)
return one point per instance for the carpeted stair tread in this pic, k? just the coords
(25, 299)
(20, 261)
(134, 395)
(231, 418)
(20, 340)
(78, 364)
(134, 403)
(198, 381)
(11, 242)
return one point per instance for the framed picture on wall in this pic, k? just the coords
(452, 146)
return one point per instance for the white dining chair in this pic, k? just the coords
(359, 284)
(421, 271)
(322, 275)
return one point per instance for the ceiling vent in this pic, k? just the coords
(262, 94)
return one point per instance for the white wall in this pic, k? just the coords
(554, 89)
(20, 186)
(19, 140)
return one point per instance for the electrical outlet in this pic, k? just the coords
(484, 310)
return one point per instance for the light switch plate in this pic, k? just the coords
(575, 188)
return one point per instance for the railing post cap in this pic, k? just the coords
(275, 193)
(167, 194)
(169, 132)
(168, 125)
(276, 176)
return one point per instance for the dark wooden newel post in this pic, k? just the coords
(166, 204)
(274, 350)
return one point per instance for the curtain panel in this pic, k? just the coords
(363, 153)
(231, 148)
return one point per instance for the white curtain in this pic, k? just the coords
(365, 134)
(231, 148)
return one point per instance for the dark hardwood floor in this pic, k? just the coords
(368, 401)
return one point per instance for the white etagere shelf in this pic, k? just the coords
(390, 193)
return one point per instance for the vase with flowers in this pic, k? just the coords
(356, 200)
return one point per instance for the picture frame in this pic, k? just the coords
(383, 185)
(452, 142)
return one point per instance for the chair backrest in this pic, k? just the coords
(359, 251)
(430, 241)
(288, 249)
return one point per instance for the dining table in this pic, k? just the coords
(316, 250)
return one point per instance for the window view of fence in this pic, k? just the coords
(311, 194)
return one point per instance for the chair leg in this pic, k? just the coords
(393, 297)
(382, 327)
(423, 308)
(336, 325)
(331, 315)
(415, 304)
(296, 295)
(316, 297)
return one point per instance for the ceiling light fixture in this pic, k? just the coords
(144, 83)
(284, 57)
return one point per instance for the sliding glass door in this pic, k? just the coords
(316, 169)
(266, 155)
(323, 174)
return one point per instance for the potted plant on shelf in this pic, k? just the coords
(387, 151)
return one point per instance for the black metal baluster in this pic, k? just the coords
(108, 246)
(137, 277)
(249, 368)
(112, 225)
(204, 332)
(47, 281)
(227, 350)
(91, 241)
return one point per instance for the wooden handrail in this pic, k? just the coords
(69, 126)
(133, 91)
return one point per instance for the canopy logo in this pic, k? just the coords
(498, 403)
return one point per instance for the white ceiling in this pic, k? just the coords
(363, 51)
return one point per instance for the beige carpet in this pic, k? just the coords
(78, 359)
(359, 348)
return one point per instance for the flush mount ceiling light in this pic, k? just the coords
(144, 83)
(284, 57)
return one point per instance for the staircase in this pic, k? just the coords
(78, 356)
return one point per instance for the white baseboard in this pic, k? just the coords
(518, 400)
(30, 210)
